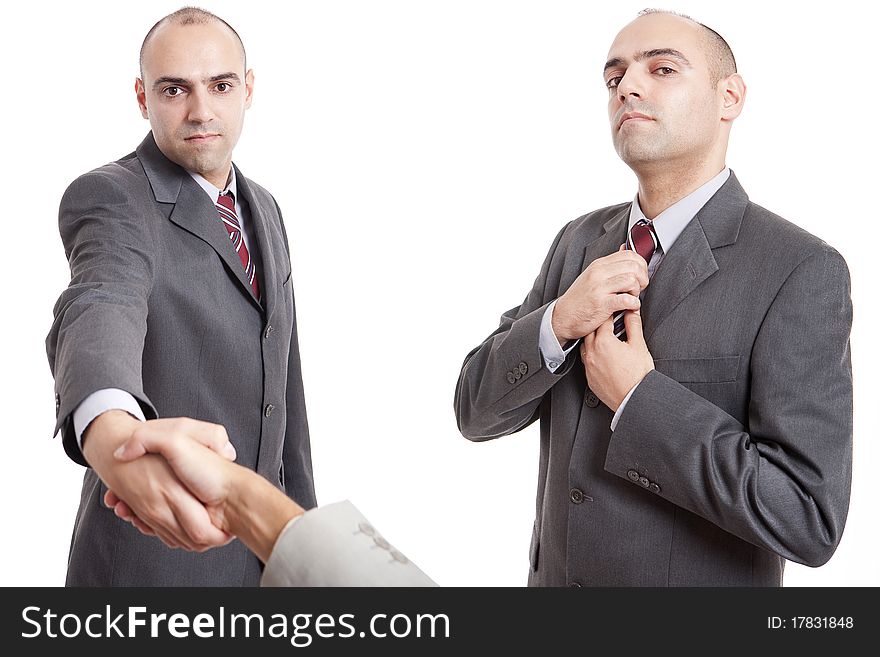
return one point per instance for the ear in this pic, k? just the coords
(249, 88)
(733, 96)
(141, 94)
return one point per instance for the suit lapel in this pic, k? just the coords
(264, 242)
(193, 210)
(690, 261)
(613, 236)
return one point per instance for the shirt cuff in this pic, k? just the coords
(620, 408)
(552, 353)
(108, 399)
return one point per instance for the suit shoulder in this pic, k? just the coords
(789, 242)
(113, 180)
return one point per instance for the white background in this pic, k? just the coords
(424, 155)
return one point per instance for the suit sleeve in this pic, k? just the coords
(783, 482)
(503, 380)
(97, 337)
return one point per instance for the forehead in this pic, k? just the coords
(656, 32)
(192, 50)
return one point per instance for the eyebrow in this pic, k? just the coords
(167, 79)
(648, 54)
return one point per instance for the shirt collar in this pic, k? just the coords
(669, 223)
(211, 190)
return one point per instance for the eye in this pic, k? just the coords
(612, 83)
(171, 92)
(223, 87)
(664, 70)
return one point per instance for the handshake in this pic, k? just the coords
(175, 479)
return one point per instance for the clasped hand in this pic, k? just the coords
(174, 493)
(607, 286)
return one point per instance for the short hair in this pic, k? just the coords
(189, 16)
(718, 52)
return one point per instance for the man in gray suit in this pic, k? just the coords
(180, 305)
(704, 435)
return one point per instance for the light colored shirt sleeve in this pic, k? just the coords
(108, 399)
(335, 545)
(551, 351)
(619, 411)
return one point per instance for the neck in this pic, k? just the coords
(665, 184)
(219, 178)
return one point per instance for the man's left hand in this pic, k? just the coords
(613, 367)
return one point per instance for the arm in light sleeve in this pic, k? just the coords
(335, 545)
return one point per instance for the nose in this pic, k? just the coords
(629, 86)
(200, 107)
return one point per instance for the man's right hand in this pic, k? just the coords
(606, 286)
(148, 485)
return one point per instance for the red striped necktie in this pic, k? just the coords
(643, 240)
(226, 209)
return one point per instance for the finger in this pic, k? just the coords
(198, 530)
(213, 436)
(622, 301)
(633, 323)
(111, 499)
(122, 510)
(167, 539)
(130, 450)
(165, 438)
(606, 329)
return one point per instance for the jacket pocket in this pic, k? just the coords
(720, 369)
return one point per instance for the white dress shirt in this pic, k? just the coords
(668, 226)
(109, 399)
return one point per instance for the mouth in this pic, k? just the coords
(202, 138)
(632, 116)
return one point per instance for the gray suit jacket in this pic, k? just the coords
(733, 455)
(158, 306)
(335, 545)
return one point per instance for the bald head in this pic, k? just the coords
(189, 16)
(719, 55)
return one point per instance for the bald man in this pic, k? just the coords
(180, 304)
(686, 353)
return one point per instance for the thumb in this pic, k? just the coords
(130, 450)
(633, 323)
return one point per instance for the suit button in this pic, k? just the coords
(511, 378)
(654, 488)
(269, 330)
(576, 495)
(592, 400)
(575, 585)
(644, 481)
(517, 375)
(269, 409)
(633, 475)
(523, 368)
(57, 403)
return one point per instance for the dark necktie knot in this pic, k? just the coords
(642, 239)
